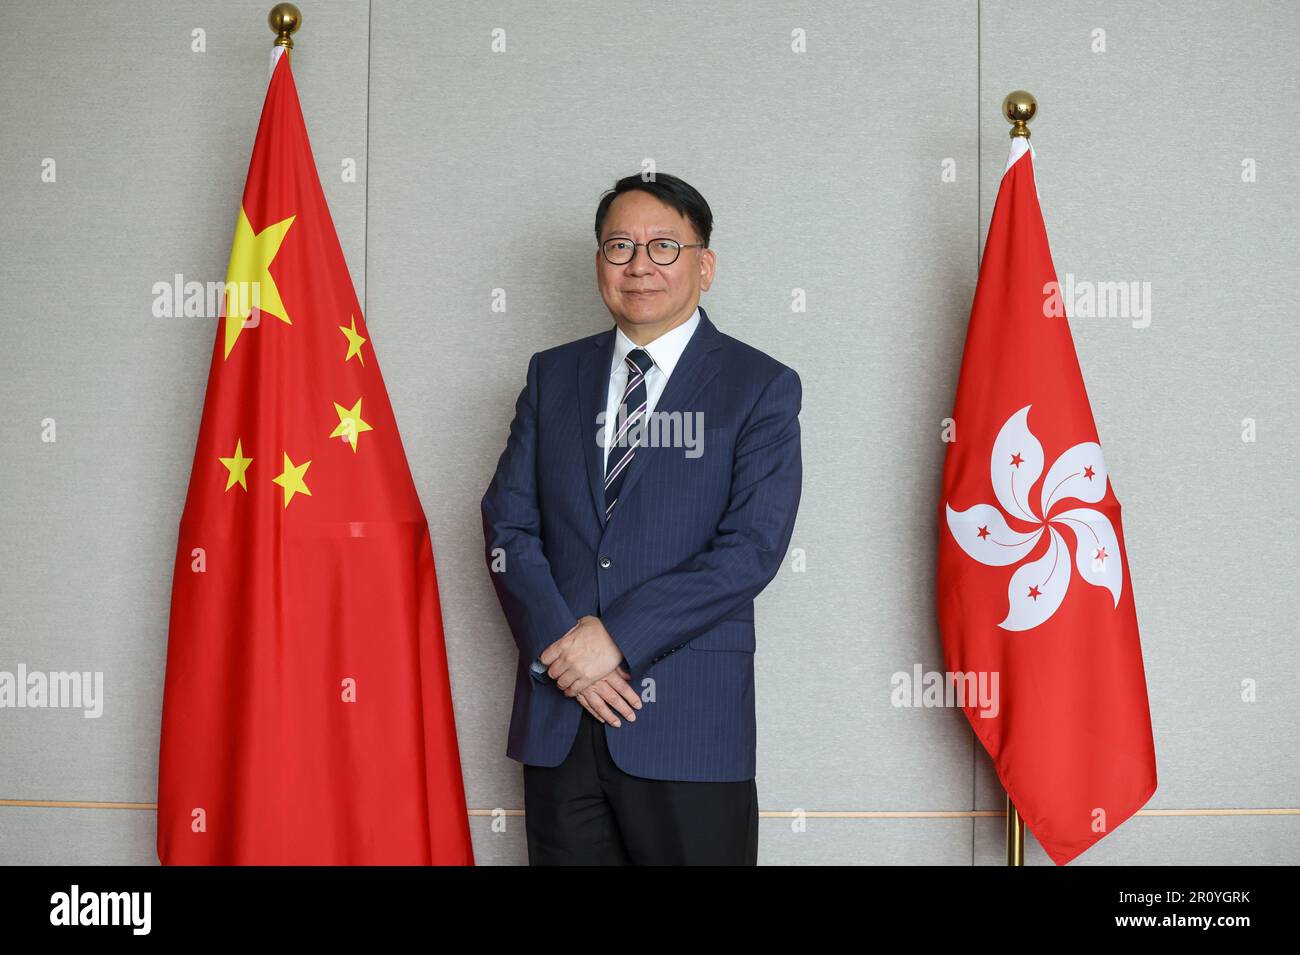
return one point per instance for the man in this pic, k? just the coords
(627, 565)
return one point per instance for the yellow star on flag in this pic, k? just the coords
(250, 259)
(355, 341)
(236, 465)
(350, 424)
(291, 479)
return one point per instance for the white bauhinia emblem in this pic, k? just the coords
(1038, 587)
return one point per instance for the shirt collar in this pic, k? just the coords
(664, 351)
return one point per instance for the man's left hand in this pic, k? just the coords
(582, 656)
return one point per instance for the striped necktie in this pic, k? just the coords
(633, 405)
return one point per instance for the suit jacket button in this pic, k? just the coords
(605, 562)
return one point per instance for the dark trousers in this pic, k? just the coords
(587, 811)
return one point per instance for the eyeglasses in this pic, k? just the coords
(661, 251)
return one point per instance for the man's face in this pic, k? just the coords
(643, 292)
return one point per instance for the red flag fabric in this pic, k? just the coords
(1034, 588)
(307, 714)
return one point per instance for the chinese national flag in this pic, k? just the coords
(1034, 583)
(307, 714)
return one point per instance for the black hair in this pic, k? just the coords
(674, 192)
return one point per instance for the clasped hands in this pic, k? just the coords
(586, 664)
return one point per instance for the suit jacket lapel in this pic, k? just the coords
(593, 396)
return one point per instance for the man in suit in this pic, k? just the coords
(646, 495)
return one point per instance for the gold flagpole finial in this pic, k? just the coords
(285, 19)
(1019, 108)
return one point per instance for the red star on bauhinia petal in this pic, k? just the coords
(983, 532)
(1016, 460)
(1087, 472)
(1034, 592)
(1101, 554)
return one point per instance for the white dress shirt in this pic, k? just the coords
(664, 352)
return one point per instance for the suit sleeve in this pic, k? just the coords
(745, 553)
(534, 608)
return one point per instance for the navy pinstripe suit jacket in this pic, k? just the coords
(674, 571)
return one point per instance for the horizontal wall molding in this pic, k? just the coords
(768, 813)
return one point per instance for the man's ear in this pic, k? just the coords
(708, 263)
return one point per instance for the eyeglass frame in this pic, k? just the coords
(680, 246)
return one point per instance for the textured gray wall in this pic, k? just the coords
(479, 171)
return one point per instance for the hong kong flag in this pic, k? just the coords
(307, 714)
(1034, 583)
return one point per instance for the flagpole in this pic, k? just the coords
(284, 20)
(1018, 108)
(1015, 835)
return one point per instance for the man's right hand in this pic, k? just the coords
(611, 690)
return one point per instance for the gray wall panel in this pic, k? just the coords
(1140, 151)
